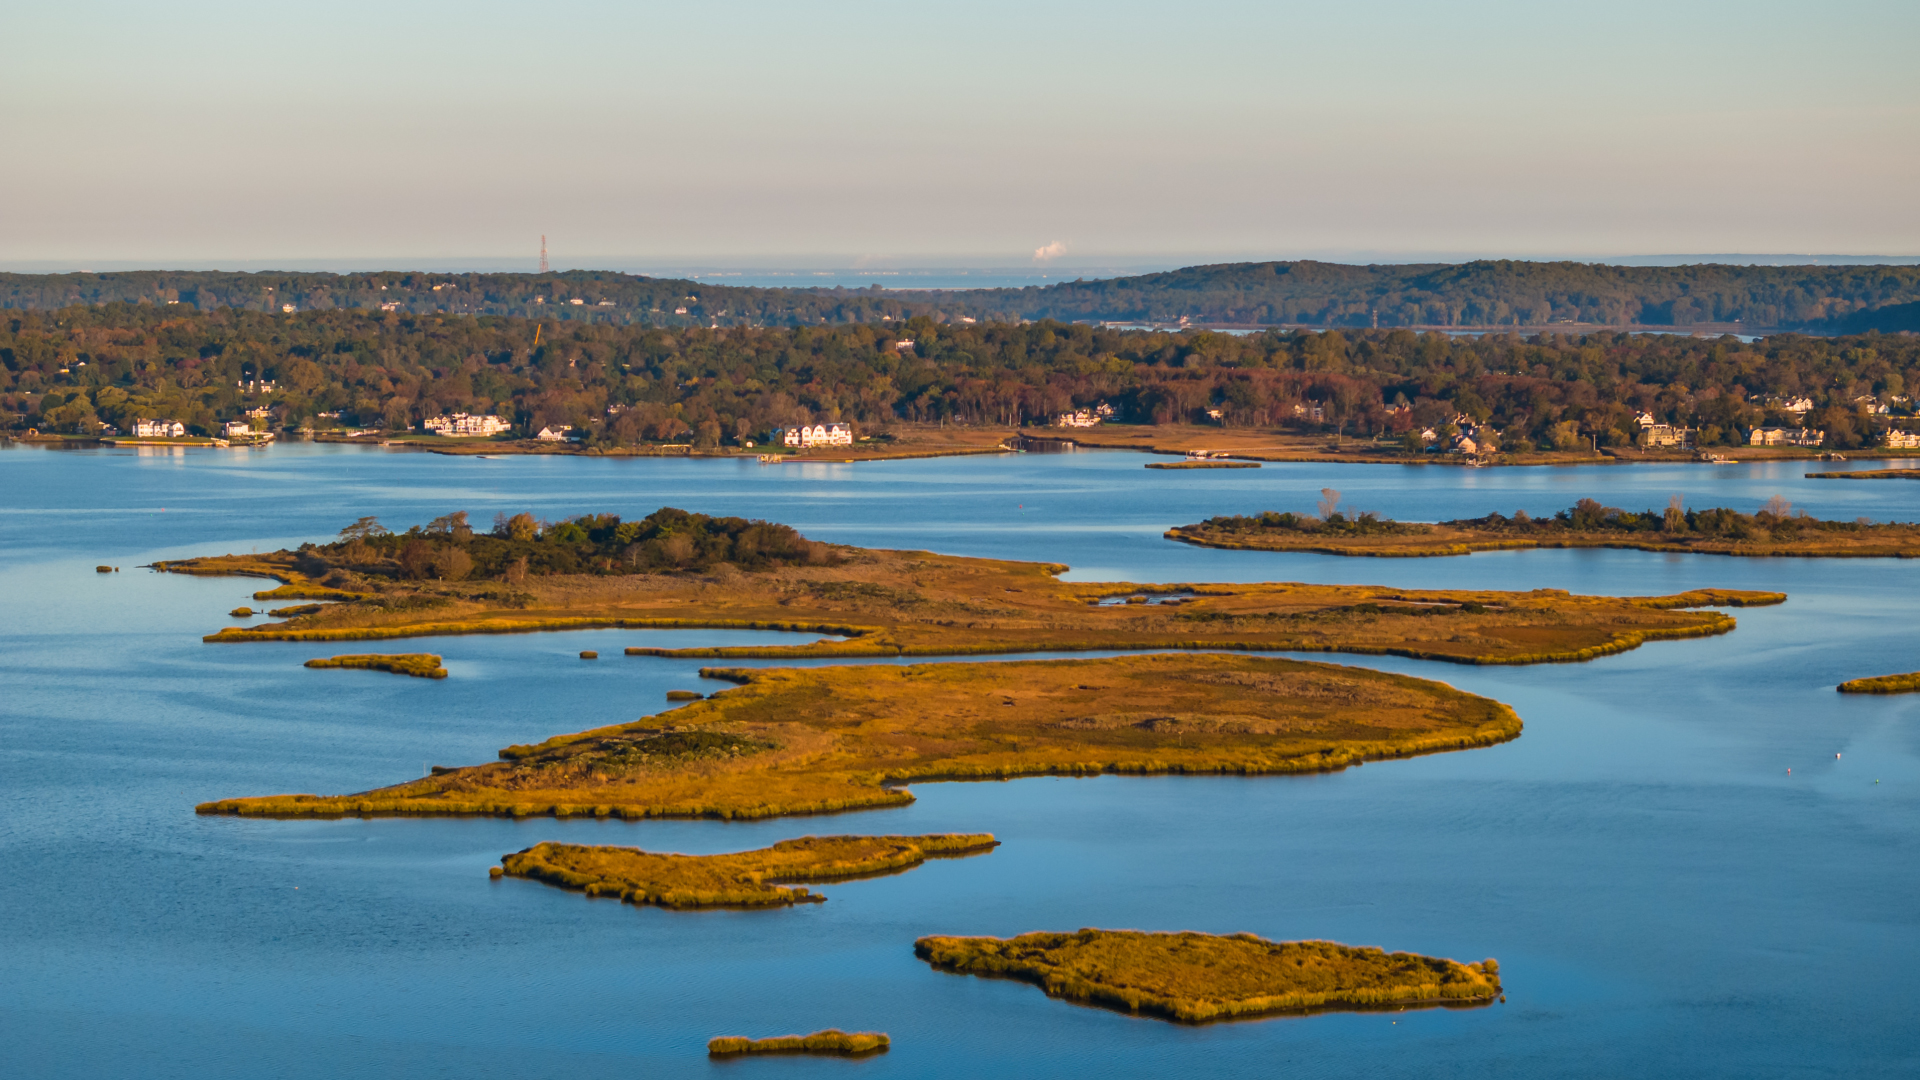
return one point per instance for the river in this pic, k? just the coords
(1664, 896)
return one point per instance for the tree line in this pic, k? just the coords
(1498, 293)
(77, 368)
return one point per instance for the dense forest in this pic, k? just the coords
(75, 369)
(1820, 299)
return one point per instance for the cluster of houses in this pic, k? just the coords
(816, 435)
(1086, 418)
(465, 424)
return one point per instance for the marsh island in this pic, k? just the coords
(1773, 530)
(744, 879)
(679, 570)
(830, 1041)
(1195, 978)
(813, 740)
(419, 665)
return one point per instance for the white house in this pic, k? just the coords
(465, 424)
(1657, 435)
(1902, 440)
(1084, 418)
(238, 429)
(1785, 437)
(158, 429)
(555, 433)
(817, 435)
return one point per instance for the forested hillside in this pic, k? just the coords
(1825, 299)
(73, 369)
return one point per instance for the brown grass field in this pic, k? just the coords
(419, 665)
(1882, 684)
(915, 603)
(830, 1041)
(743, 879)
(1195, 978)
(817, 740)
(1424, 540)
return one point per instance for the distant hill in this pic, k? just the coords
(1538, 295)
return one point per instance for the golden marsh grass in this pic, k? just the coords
(419, 665)
(830, 1041)
(906, 603)
(744, 879)
(1882, 684)
(1195, 978)
(817, 740)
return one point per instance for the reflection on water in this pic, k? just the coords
(1664, 896)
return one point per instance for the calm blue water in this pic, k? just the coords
(1664, 898)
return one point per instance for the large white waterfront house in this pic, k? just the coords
(463, 424)
(158, 429)
(817, 435)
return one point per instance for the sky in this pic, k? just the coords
(989, 133)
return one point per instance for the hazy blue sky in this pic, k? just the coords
(826, 132)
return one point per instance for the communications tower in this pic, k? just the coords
(543, 253)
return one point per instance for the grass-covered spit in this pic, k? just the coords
(741, 879)
(1195, 977)
(1882, 684)
(419, 665)
(813, 740)
(1773, 530)
(830, 1041)
(915, 603)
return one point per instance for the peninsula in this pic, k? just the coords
(678, 570)
(745, 879)
(1195, 978)
(816, 740)
(1774, 530)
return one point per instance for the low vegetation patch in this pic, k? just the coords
(241, 613)
(420, 665)
(1868, 474)
(1882, 684)
(746, 879)
(1773, 530)
(830, 1041)
(815, 740)
(1195, 978)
